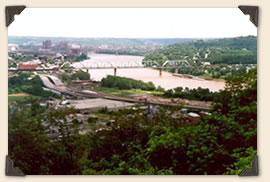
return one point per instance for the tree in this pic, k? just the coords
(80, 75)
(30, 146)
(66, 77)
(82, 57)
(126, 83)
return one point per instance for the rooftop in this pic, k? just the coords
(27, 66)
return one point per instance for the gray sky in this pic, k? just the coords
(133, 22)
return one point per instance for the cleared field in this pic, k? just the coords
(20, 97)
(116, 91)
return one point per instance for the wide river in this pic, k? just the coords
(167, 80)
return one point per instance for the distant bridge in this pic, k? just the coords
(130, 64)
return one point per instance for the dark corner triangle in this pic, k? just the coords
(11, 170)
(252, 11)
(11, 11)
(253, 171)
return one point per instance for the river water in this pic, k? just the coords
(167, 80)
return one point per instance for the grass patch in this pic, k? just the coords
(20, 98)
(116, 91)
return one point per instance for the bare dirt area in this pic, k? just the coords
(19, 95)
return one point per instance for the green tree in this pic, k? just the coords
(80, 75)
(66, 77)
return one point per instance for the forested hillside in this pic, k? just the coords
(239, 50)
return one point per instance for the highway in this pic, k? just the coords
(62, 89)
(56, 81)
(58, 86)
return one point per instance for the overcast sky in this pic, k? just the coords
(133, 22)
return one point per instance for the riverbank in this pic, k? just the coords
(201, 78)
(166, 81)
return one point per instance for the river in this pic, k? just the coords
(167, 80)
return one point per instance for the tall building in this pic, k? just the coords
(46, 44)
(64, 45)
(75, 49)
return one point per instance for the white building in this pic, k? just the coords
(12, 47)
(75, 46)
(206, 63)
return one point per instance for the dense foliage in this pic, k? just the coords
(222, 143)
(126, 83)
(80, 76)
(248, 42)
(213, 71)
(23, 83)
(203, 94)
(243, 47)
(81, 57)
(228, 58)
(75, 76)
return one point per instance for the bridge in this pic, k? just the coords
(130, 64)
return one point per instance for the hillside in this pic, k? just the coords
(239, 50)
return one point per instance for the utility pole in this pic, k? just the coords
(160, 71)
(115, 71)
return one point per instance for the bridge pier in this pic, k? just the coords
(115, 71)
(160, 72)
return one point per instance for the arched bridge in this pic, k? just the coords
(167, 64)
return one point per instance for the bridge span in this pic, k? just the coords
(130, 64)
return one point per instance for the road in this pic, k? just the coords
(63, 89)
(56, 81)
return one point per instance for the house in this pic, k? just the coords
(194, 117)
(206, 63)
